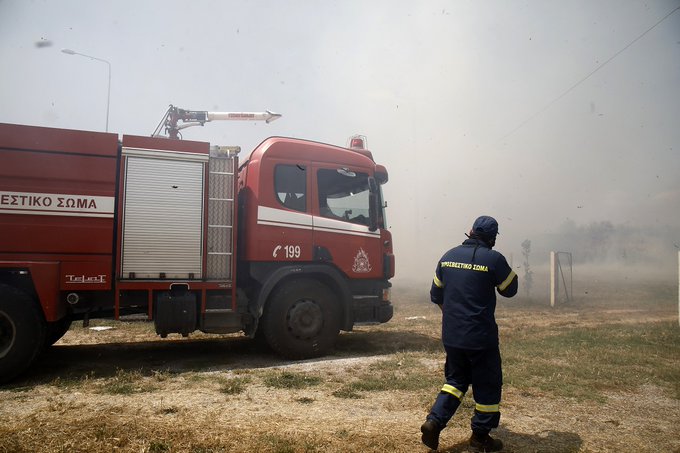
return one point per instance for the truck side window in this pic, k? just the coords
(343, 195)
(290, 185)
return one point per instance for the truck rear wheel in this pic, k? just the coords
(301, 319)
(22, 332)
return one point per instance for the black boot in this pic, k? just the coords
(430, 431)
(483, 443)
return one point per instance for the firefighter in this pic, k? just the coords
(463, 288)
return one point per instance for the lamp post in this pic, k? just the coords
(108, 95)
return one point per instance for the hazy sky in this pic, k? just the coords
(452, 96)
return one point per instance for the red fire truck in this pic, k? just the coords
(290, 245)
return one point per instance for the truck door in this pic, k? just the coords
(341, 232)
(284, 222)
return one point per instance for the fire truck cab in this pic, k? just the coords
(313, 236)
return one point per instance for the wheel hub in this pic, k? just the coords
(7, 334)
(305, 319)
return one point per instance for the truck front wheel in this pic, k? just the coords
(22, 332)
(301, 319)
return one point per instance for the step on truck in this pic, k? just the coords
(291, 244)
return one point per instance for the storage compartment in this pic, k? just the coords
(163, 216)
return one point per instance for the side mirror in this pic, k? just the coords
(373, 202)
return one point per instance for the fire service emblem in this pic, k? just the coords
(361, 264)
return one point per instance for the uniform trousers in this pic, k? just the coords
(480, 368)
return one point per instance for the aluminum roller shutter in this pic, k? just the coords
(163, 218)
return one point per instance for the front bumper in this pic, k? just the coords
(372, 311)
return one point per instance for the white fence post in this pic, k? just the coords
(553, 278)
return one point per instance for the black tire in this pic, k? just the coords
(56, 330)
(301, 319)
(22, 332)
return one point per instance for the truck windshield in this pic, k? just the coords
(343, 195)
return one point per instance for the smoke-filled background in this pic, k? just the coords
(561, 119)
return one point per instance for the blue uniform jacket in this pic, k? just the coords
(464, 286)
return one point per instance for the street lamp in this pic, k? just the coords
(108, 95)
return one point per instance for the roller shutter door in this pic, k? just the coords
(163, 219)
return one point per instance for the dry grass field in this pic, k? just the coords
(601, 373)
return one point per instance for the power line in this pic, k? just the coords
(568, 90)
